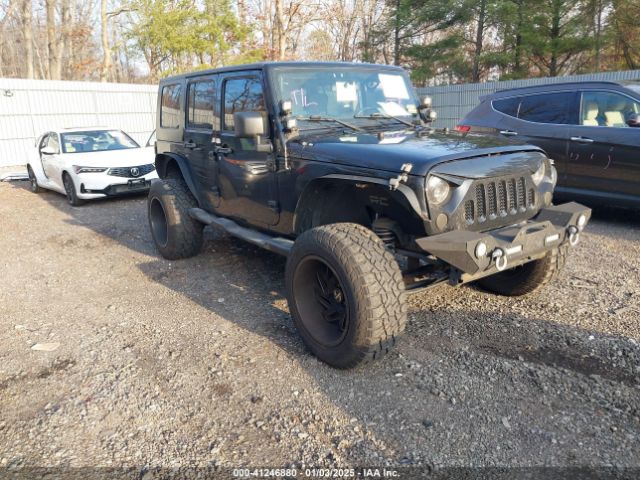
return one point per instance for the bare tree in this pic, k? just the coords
(27, 33)
(106, 49)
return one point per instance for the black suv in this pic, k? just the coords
(590, 129)
(335, 166)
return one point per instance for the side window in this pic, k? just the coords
(170, 110)
(508, 106)
(200, 105)
(241, 95)
(607, 109)
(547, 108)
(53, 142)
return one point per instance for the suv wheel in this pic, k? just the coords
(345, 293)
(174, 232)
(526, 278)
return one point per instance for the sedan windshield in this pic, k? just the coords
(96, 141)
(345, 93)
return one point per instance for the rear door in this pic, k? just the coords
(198, 136)
(246, 175)
(545, 120)
(51, 162)
(605, 151)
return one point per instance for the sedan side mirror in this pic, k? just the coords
(634, 120)
(249, 124)
(48, 150)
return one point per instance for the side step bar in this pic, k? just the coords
(277, 245)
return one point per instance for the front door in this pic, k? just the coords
(198, 137)
(605, 151)
(245, 172)
(51, 161)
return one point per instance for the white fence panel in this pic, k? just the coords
(30, 107)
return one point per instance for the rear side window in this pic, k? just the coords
(508, 106)
(242, 95)
(200, 104)
(546, 108)
(170, 110)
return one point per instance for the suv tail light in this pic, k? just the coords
(463, 128)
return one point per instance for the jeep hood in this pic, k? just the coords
(389, 151)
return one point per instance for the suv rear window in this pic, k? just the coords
(170, 111)
(546, 108)
(200, 104)
(508, 106)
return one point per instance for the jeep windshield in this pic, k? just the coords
(346, 93)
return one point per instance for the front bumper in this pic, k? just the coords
(509, 246)
(97, 185)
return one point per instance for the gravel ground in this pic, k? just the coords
(197, 362)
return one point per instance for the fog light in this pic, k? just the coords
(481, 249)
(582, 221)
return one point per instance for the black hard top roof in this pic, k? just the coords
(564, 86)
(271, 65)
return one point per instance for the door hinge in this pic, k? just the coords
(271, 164)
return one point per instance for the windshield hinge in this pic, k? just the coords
(394, 183)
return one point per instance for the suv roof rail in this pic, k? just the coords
(559, 84)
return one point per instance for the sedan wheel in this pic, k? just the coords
(72, 194)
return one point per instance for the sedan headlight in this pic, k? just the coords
(437, 190)
(79, 169)
(538, 175)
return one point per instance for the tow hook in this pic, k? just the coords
(500, 257)
(574, 235)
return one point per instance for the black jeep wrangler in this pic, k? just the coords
(335, 165)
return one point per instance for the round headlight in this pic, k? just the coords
(538, 175)
(437, 190)
(554, 175)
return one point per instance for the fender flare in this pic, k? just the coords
(408, 194)
(185, 170)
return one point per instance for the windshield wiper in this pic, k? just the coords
(387, 117)
(318, 118)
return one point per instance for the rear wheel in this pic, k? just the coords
(345, 294)
(70, 188)
(526, 278)
(174, 232)
(33, 181)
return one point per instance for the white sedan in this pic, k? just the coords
(88, 163)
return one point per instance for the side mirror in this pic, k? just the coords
(48, 150)
(249, 124)
(634, 120)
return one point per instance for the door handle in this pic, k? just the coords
(508, 133)
(190, 145)
(582, 139)
(223, 150)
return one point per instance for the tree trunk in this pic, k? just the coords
(517, 67)
(555, 38)
(27, 32)
(281, 41)
(104, 36)
(396, 36)
(53, 43)
(482, 13)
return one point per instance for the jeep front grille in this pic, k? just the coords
(498, 198)
(132, 172)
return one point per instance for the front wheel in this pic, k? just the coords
(174, 232)
(70, 188)
(526, 278)
(345, 293)
(33, 181)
